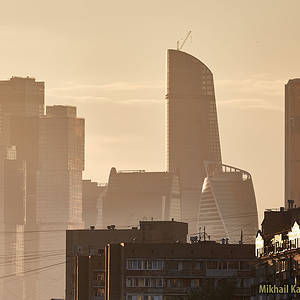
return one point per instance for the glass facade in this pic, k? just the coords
(228, 205)
(192, 127)
(61, 162)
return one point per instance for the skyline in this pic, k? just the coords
(93, 66)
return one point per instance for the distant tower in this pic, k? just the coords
(292, 142)
(228, 204)
(21, 106)
(61, 162)
(135, 195)
(192, 127)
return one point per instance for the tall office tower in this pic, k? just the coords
(228, 206)
(192, 127)
(21, 105)
(132, 196)
(292, 142)
(61, 162)
(92, 203)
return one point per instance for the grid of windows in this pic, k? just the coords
(144, 297)
(144, 264)
(144, 282)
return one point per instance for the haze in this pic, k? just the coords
(108, 59)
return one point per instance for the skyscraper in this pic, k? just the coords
(192, 127)
(61, 162)
(59, 181)
(21, 105)
(292, 141)
(228, 206)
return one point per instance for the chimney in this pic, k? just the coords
(290, 204)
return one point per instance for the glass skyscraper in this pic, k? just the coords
(192, 127)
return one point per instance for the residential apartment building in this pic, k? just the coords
(167, 271)
(85, 265)
(278, 251)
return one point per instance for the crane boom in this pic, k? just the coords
(179, 47)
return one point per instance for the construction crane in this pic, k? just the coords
(179, 47)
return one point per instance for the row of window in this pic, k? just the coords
(159, 282)
(145, 264)
(144, 282)
(144, 297)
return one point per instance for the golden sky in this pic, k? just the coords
(108, 59)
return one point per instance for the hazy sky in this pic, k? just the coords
(108, 59)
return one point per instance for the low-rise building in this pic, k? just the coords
(173, 271)
(278, 253)
(85, 265)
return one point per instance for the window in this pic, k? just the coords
(131, 282)
(157, 264)
(147, 282)
(159, 282)
(132, 264)
(147, 264)
(197, 265)
(195, 283)
(233, 265)
(212, 264)
(99, 292)
(140, 282)
(99, 276)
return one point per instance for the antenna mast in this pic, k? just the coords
(179, 47)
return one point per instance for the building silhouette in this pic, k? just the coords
(92, 203)
(138, 195)
(61, 162)
(228, 206)
(41, 163)
(21, 106)
(292, 141)
(192, 127)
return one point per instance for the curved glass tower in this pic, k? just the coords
(192, 127)
(228, 205)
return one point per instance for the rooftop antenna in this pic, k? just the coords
(179, 47)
